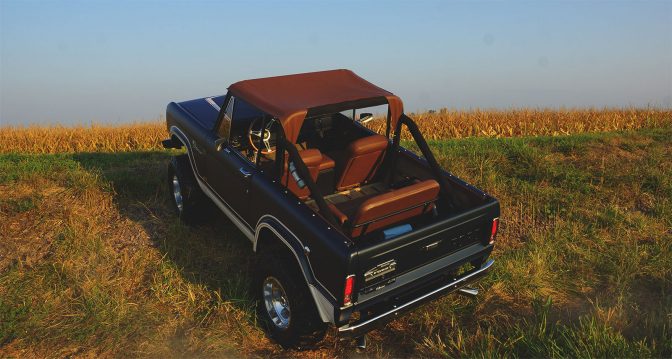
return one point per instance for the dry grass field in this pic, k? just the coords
(93, 263)
(442, 124)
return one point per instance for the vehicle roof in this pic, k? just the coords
(290, 97)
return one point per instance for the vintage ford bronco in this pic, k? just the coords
(350, 228)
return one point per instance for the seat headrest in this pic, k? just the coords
(368, 144)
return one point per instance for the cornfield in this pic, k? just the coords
(442, 124)
(93, 138)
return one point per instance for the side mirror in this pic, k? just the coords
(219, 143)
(365, 117)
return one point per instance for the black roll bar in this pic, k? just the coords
(301, 168)
(426, 152)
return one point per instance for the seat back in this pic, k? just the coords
(394, 206)
(360, 161)
(312, 159)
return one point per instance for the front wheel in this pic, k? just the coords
(284, 304)
(189, 202)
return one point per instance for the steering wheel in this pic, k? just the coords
(262, 133)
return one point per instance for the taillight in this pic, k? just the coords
(493, 233)
(347, 292)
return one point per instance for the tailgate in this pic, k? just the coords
(381, 262)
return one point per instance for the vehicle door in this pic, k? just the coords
(230, 172)
(205, 112)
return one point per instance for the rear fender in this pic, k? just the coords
(271, 231)
(269, 228)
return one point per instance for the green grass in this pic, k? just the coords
(583, 259)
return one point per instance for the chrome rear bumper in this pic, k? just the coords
(361, 327)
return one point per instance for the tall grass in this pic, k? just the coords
(442, 124)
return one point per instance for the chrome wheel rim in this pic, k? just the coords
(177, 194)
(276, 303)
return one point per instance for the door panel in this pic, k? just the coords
(230, 176)
(229, 172)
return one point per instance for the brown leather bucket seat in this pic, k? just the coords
(312, 158)
(360, 160)
(368, 214)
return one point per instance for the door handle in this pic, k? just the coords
(245, 173)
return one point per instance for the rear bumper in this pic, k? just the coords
(393, 310)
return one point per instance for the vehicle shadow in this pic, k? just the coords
(215, 253)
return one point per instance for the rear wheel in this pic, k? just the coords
(284, 304)
(189, 202)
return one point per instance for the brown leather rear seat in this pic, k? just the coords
(365, 215)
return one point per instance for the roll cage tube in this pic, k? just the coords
(294, 156)
(426, 152)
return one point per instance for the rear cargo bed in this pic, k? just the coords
(421, 247)
(462, 224)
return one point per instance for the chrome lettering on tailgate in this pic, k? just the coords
(380, 270)
(431, 246)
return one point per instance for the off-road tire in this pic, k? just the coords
(305, 328)
(196, 207)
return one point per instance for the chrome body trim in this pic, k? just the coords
(213, 103)
(324, 306)
(469, 291)
(233, 216)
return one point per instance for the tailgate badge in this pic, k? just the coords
(380, 270)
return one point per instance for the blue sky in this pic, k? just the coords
(121, 61)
